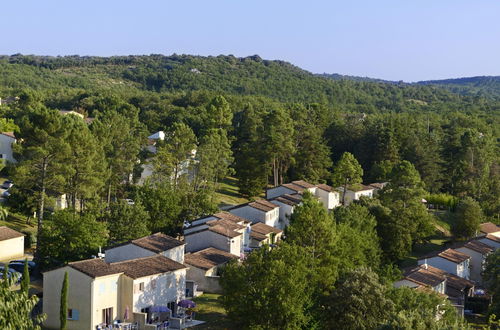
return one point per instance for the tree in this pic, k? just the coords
(4, 213)
(468, 216)
(126, 222)
(347, 172)
(173, 160)
(278, 142)
(491, 278)
(250, 165)
(16, 308)
(312, 229)
(63, 306)
(359, 301)
(219, 114)
(269, 290)
(41, 153)
(70, 236)
(25, 282)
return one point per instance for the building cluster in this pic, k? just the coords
(455, 272)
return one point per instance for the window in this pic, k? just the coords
(153, 284)
(107, 315)
(141, 287)
(171, 305)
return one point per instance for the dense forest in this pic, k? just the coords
(265, 123)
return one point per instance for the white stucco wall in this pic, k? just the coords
(329, 199)
(12, 248)
(249, 213)
(170, 287)
(204, 239)
(461, 270)
(201, 221)
(105, 294)
(6, 148)
(176, 254)
(278, 191)
(126, 252)
(285, 212)
(476, 263)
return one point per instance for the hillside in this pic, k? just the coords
(249, 76)
(484, 86)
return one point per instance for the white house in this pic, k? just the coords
(223, 236)
(296, 187)
(204, 268)
(328, 196)
(355, 192)
(7, 139)
(478, 252)
(101, 293)
(287, 204)
(258, 211)
(489, 228)
(490, 240)
(11, 243)
(377, 186)
(423, 276)
(263, 234)
(156, 244)
(449, 260)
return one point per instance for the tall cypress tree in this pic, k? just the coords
(64, 301)
(25, 283)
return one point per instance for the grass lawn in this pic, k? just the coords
(228, 193)
(18, 222)
(209, 309)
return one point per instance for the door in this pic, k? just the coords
(107, 315)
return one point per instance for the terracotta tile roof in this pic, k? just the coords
(378, 185)
(94, 267)
(426, 289)
(293, 187)
(229, 216)
(263, 205)
(9, 134)
(492, 238)
(208, 258)
(8, 233)
(258, 236)
(452, 281)
(359, 187)
(226, 224)
(287, 199)
(478, 247)
(488, 228)
(147, 266)
(421, 275)
(157, 242)
(134, 268)
(324, 187)
(303, 184)
(221, 230)
(449, 254)
(264, 229)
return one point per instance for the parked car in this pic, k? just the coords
(6, 193)
(11, 273)
(31, 264)
(7, 184)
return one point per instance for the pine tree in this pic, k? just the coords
(25, 283)
(347, 172)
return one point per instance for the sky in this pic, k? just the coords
(408, 40)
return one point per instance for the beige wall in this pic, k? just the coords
(79, 298)
(105, 295)
(12, 248)
(126, 252)
(207, 280)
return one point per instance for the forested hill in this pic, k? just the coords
(485, 86)
(252, 75)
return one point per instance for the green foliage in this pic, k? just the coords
(277, 282)
(346, 172)
(444, 200)
(491, 277)
(468, 216)
(126, 222)
(69, 236)
(25, 281)
(63, 306)
(359, 301)
(16, 308)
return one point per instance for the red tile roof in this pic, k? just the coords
(264, 229)
(449, 254)
(489, 227)
(9, 134)
(478, 247)
(324, 187)
(208, 258)
(157, 243)
(8, 233)
(303, 184)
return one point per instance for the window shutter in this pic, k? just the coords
(76, 314)
(136, 288)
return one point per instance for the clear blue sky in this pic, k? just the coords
(399, 40)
